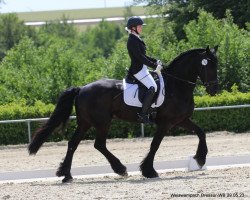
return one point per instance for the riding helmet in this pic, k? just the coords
(134, 21)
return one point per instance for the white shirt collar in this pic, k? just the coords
(130, 32)
(138, 36)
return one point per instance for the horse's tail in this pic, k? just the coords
(60, 116)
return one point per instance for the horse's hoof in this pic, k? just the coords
(124, 174)
(122, 171)
(200, 162)
(59, 173)
(150, 174)
(148, 171)
(67, 179)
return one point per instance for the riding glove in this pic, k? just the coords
(158, 69)
(159, 62)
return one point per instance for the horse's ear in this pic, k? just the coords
(207, 49)
(214, 50)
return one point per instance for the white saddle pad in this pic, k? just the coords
(130, 94)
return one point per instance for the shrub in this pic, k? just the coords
(236, 120)
(17, 132)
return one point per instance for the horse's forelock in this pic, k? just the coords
(211, 54)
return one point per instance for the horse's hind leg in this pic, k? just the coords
(65, 166)
(201, 152)
(100, 145)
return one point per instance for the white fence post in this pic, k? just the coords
(142, 130)
(29, 131)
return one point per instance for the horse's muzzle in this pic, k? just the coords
(212, 88)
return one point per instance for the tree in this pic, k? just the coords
(60, 28)
(234, 43)
(182, 11)
(240, 9)
(101, 39)
(34, 72)
(11, 31)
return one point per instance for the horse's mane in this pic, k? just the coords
(172, 63)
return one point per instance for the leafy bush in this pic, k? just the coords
(236, 119)
(234, 67)
(58, 60)
(44, 72)
(17, 132)
(54, 62)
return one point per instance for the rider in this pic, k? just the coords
(140, 63)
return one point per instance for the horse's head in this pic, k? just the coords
(207, 70)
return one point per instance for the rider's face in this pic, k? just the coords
(139, 29)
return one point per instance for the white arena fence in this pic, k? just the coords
(91, 21)
(28, 121)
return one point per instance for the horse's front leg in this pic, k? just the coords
(202, 150)
(146, 166)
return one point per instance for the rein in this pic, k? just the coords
(180, 79)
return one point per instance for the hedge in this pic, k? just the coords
(236, 120)
(16, 133)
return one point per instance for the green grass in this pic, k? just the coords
(79, 14)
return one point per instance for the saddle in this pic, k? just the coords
(142, 89)
(134, 90)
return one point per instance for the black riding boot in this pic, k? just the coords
(147, 102)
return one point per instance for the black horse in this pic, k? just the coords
(98, 102)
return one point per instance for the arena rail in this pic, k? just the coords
(90, 21)
(28, 121)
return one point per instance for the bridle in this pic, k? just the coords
(210, 83)
(205, 83)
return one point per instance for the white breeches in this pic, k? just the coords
(146, 78)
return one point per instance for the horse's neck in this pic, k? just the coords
(182, 78)
(183, 71)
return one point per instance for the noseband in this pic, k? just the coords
(210, 83)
